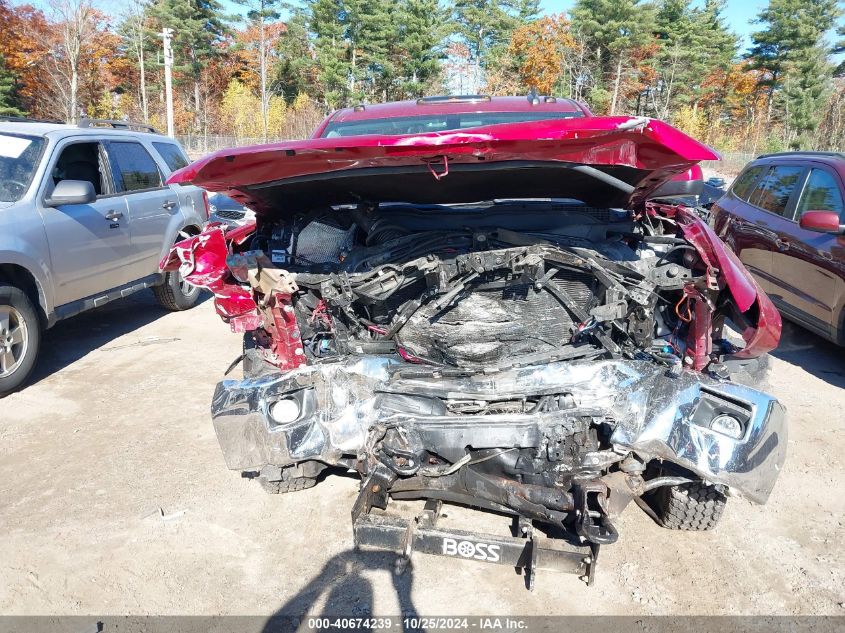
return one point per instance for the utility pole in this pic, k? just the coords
(166, 35)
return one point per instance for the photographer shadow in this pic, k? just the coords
(349, 593)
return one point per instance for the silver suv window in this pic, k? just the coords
(19, 158)
(172, 154)
(133, 169)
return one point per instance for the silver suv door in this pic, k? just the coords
(89, 243)
(151, 203)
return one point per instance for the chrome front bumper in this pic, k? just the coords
(653, 414)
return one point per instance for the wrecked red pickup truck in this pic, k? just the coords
(503, 317)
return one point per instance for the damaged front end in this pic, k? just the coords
(549, 359)
(556, 426)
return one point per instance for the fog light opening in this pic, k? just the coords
(284, 411)
(727, 425)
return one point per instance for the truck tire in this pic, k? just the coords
(277, 480)
(175, 294)
(287, 484)
(692, 507)
(20, 338)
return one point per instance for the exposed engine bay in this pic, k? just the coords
(480, 288)
(551, 358)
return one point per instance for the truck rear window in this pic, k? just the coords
(437, 122)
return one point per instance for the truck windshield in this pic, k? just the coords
(19, 156)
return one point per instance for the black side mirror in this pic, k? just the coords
(71, 192)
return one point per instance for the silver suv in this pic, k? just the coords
(85, 217)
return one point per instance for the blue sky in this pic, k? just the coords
(737, 13)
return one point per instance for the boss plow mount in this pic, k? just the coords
(525, 550)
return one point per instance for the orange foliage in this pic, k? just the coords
(24, 30)
(247, 53)
(737, 87)
(538, 48)
(102, 69)
(642, 73)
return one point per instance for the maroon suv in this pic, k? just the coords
(785, 218)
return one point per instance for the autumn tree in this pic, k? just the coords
(76, 22)
(485, 26)
(262, 32)
(539, 49)
(137, 38)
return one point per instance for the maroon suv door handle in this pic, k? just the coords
(783, 245)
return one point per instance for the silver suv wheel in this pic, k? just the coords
(189, 290)
(14, 340)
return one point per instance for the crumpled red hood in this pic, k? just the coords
(625, 158)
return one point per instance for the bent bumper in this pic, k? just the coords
(654, 415)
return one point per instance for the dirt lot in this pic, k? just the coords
(115, 431)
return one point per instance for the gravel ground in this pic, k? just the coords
(114, 499)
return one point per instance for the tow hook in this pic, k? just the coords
(593, 526)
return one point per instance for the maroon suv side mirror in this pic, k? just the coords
(821, 222)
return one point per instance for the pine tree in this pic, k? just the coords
(296, 71)
(373, 35)
(614, 28)
(806, 88)
(374, 50)
(486, 27)
(838, 49)
(423, 26)
(326, 22)
(198, 26)
(694, 42)
(791, 53)
(9, 104)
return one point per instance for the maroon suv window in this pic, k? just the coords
(821, 194)
(742, 185)
(775, 189)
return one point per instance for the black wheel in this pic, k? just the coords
(287, 484)
(176, 294)
(20, 338)
(277, 480)
(693, 507)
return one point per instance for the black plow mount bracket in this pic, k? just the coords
(527, 552)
